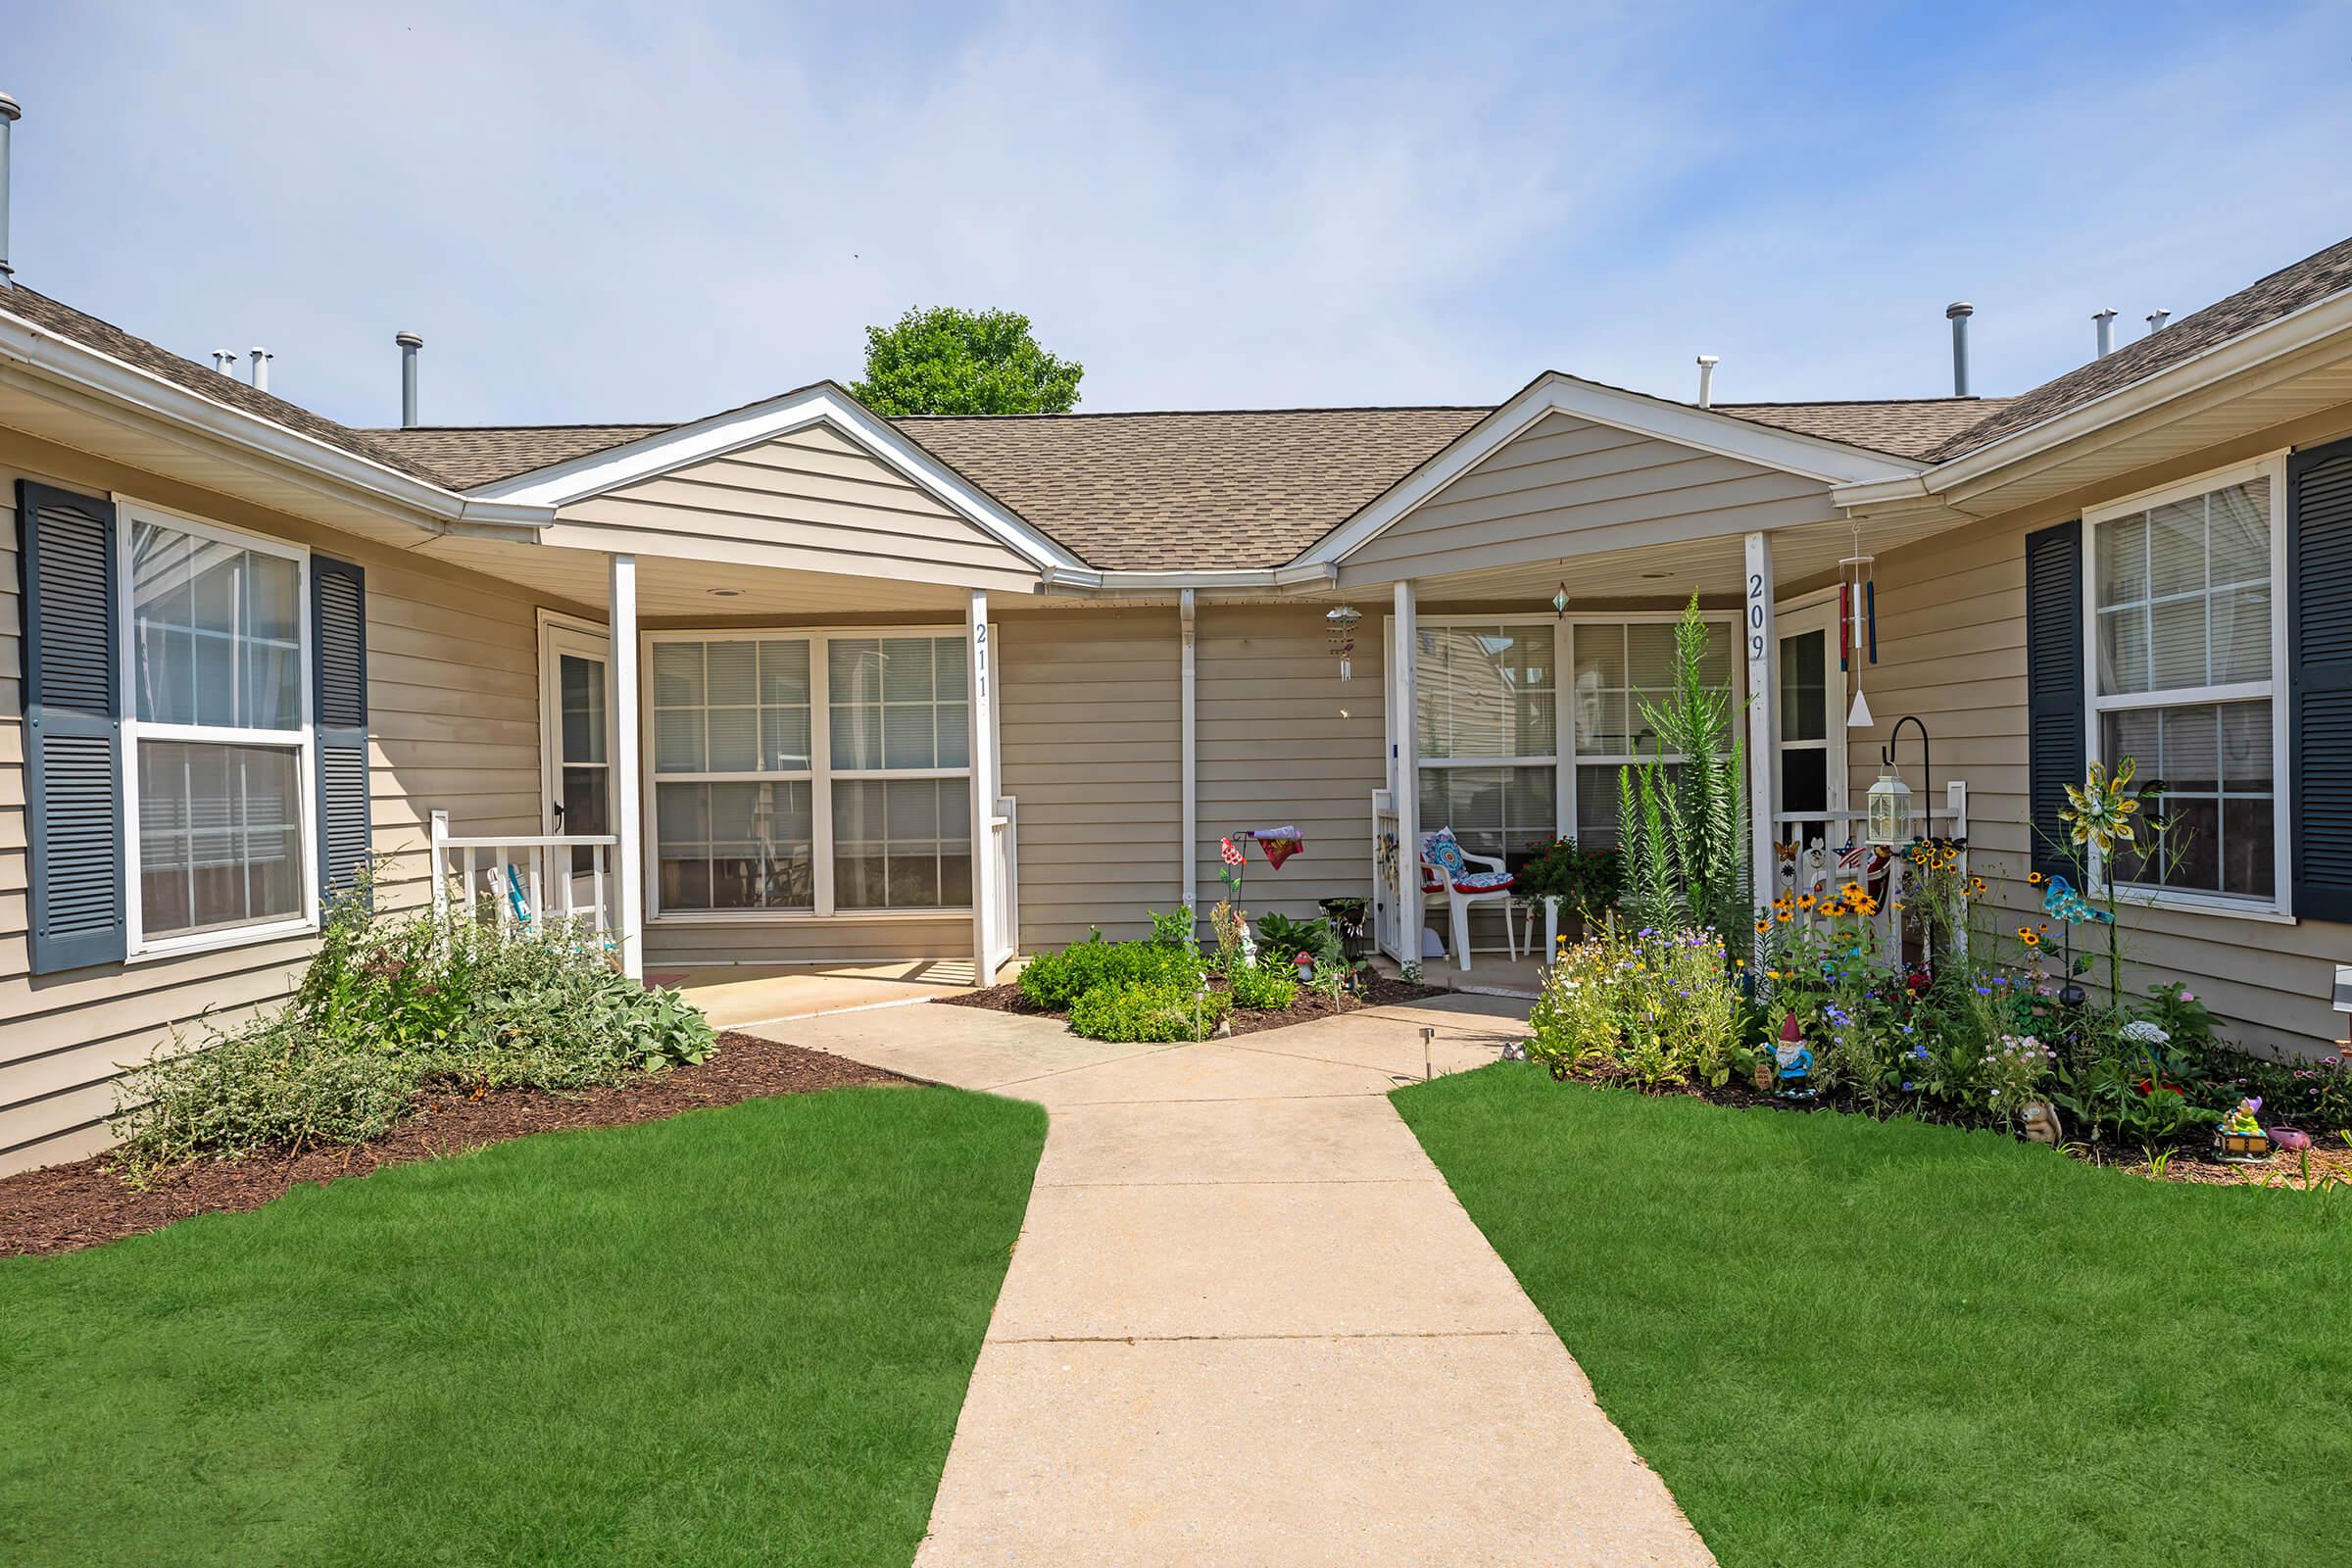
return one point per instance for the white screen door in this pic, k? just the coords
(576, 698)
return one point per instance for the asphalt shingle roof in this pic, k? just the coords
(2282, 293)
(109, 339)
(1901, 427)
(1232, 488)
(1224, 489)
(469, 457)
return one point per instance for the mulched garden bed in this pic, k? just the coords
(2330, 1158)
(1381, 992)
(64, 1208)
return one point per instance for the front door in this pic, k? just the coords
(1809, 758)
(576, 698)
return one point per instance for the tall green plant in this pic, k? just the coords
(1685, 823)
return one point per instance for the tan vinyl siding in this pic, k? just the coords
(1283, 742)
(1952, 650)
(809, 501)
(453, 723)
(1567, 487)
(1090, 747)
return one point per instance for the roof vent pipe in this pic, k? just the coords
(408, 343)
(224, 361)
(1706, 379)
(1958, 314)
(260, 367)
(2157, 318)
(9, 114)
(2106, 320)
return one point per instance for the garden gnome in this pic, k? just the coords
(1795, 1061)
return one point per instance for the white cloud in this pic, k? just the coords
(657, 211)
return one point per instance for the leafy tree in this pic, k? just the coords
(949, 361)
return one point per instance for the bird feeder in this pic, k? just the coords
(1889, 811)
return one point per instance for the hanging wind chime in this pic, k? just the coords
(1857, 625)
(1340, 625)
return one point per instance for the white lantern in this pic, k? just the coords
(1889, 811)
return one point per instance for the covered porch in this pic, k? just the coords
(1516, 697)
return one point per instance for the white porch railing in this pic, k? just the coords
(1829, 851)
(513, 871)
(1005, 860)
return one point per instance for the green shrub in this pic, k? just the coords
(391, 1003)
(1175, 928)
(1262, 988)
(1657, 1008)
(1055, 981)
(274, 1085)
(1281, 937)
(1151, 1012)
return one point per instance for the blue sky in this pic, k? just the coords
(651, 212)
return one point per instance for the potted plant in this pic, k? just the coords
(1567, 878)
(1346, 916)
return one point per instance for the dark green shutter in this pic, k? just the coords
(2318, 661)
(339, 716)
(72, 728)
(2054, 702)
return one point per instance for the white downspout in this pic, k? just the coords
(1189, 748)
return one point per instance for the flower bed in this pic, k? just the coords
(1168, 990)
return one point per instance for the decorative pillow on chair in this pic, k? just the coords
(1443, 851)
(1483, 881)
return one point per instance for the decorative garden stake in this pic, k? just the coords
(1340, 623)
(1427, 1035)
(2239, 1139)
(1795, 1061)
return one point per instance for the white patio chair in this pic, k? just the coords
(1443, 870)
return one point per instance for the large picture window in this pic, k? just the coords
(812, 773)
(215, 661)
(2183, 648)
(1487, 722)
(1502, 762)
(1618, 671)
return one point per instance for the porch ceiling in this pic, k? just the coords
(675, 588)
(1714, 568)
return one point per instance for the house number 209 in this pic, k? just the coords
(1755, 615)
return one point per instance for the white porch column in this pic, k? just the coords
(1189, 750)
(984, 793)
(1404, 764)
(1763, 722)
(628, 801)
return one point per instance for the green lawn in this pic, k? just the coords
(738, 1336)
(1843, 1341)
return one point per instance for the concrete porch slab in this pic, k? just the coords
(970, 1048)
(735, 996)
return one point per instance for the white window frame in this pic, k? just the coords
(302, 740)
(1565, 758)
(819, 775)
(2279, 906)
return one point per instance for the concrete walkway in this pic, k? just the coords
(1249, 1323)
